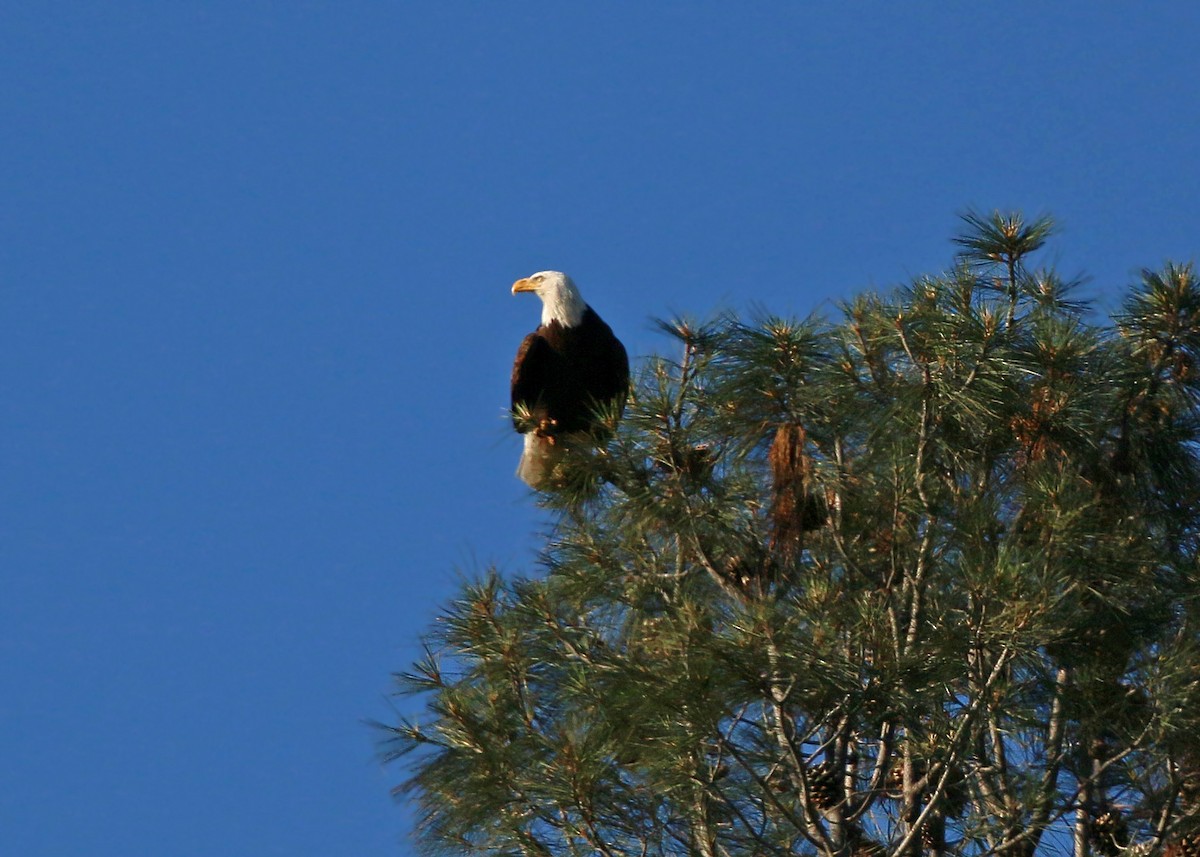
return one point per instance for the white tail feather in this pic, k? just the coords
(537, 460)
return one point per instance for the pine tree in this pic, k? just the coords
(922, 578)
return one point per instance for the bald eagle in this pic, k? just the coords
(566, 372)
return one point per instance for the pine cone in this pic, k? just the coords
(1185, 846)
(933, 833)
(823, 786)
(692, 461)
(1189, 789)
(1110, 835)
(893, 783)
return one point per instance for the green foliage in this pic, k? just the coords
(920, 578)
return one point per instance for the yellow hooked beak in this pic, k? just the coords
(525, 284)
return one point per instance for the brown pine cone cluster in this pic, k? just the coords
(1185, 846)
(823, 786)
(1189, 790)
(933, 833)
(1109, 833)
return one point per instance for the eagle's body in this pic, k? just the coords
(566, 371)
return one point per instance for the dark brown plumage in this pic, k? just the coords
(562, 374)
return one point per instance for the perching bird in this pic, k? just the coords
(566, 372)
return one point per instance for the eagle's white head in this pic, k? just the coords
(561, 301)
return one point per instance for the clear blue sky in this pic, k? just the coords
(256, 332)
